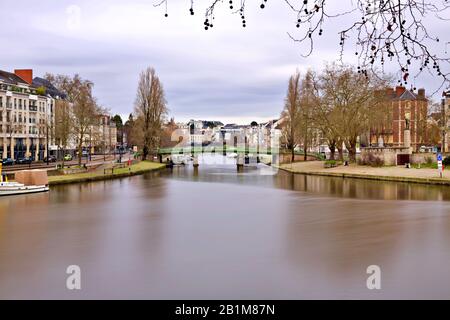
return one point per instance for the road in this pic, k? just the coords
(52, 165)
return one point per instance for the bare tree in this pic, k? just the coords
(308, 101)
(84, 111)
(151, 109)
(348, 96)
(378, 31)
(85, 116)
(291, 114)
(63, 125)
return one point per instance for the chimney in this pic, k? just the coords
(25, 74)
(421, 93)
(399, 91)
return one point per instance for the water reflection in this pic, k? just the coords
(362, 189)
(215, 233)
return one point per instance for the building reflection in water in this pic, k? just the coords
(216, 233)
(84, 224)
(362, 189)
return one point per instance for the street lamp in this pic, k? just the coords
(47, 145)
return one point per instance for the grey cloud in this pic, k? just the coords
(225, 72)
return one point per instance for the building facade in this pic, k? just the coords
(106, 133)
(405, 110)
(26, 116)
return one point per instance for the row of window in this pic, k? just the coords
(19, 118)
(8, 129)
(21, 104)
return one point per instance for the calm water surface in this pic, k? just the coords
(217, 234)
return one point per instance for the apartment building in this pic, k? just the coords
(26, 116)
(105, 134)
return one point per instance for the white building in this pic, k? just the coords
(26, 116)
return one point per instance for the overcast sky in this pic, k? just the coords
(227, 73)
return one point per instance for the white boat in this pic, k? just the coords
(14, 188)
(181, 159)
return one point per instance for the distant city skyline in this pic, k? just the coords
(228, 73)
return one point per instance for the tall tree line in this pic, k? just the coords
(77, 114)
(339, 103)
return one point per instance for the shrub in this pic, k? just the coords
(41, 91)
(330, 164)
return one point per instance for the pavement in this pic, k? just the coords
(398, 173)
(96, 159)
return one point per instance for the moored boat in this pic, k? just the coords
(14, 188)
(27, 181)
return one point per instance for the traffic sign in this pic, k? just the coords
(439, 157)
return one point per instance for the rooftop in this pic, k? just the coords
(50, 88)
(11, 78)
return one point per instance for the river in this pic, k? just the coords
(213, 233)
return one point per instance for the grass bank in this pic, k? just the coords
(135, 169)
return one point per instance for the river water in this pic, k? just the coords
(213, 233)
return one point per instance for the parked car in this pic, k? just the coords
(50, 159)
(26, 160)
(84, 154)
(8, 162)
(68, 157)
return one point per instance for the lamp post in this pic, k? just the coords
(46, 141)
(443, 124)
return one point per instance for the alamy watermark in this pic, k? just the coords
(73, 281)
(73, 21)
(374, 280)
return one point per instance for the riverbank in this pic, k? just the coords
(135, 169)
(399, 174)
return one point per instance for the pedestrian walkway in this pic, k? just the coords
(378, 173)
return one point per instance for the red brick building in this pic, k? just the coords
(403, 105)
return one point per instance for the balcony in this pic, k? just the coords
(33, 108)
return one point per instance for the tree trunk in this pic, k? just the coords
(305, 155)
(351, 146)
(80, 153)
(64, 154)
(332, 151)
(352, 153)
(145, 153)
(341, 153)
(292, 154)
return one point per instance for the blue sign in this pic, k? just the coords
(439, 157)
